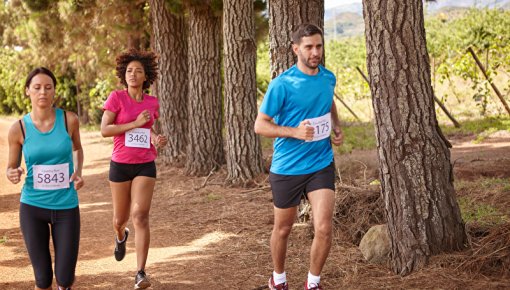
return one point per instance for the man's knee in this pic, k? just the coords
(282, 231)
(324, 231)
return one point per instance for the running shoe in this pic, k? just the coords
(120, 246)
(141, 280)
(272, 286)
(315, 287)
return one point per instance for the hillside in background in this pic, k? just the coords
(348, 19)
(433, 7)
(346, 23)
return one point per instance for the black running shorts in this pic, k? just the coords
(288, 189)
(120, 172)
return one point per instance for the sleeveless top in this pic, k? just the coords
(49, 163)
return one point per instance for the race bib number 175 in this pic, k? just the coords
(321, 127)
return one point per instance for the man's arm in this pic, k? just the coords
(339, 135)
(264, 126)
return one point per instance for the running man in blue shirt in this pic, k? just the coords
(298, 110)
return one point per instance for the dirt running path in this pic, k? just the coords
(198, 236)
(207, 237)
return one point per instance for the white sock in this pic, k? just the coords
(313, 281)
(279, 278)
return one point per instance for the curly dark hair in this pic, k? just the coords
(147, 58)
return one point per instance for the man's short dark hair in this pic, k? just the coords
(306, 29)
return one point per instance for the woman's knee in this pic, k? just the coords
(140, 219)
(44, 281)
(119, 223)
(43, 275)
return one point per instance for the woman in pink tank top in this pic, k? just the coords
(128, 117)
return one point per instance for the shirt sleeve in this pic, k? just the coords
(274, 99)
(112, 103)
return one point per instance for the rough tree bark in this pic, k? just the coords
(135, 23)
(170, 43)
(284, 17)
(414, 156)
(205, 143)
(244, 152)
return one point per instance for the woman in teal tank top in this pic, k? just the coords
(47, 137)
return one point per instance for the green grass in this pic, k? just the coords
(480, 213)
(90, 127)
(362, 136)
(481, 127)
(494, 183)
(3, 240)
(267, 143)
(358, 136)
(213, 197)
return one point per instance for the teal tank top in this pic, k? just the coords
(49, 163)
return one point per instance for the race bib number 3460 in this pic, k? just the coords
(138, 137)
(321, 127)
(51, 177)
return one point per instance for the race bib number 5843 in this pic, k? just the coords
(51, 177)
(321, 127)
(138, 137)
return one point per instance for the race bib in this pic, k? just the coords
(321, 127)
(51, 177)
(138, 137)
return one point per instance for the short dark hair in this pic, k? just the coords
(146, 58)
(40, 70)
(306, 29)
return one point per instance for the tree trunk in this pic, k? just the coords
(135, 23)
(170, 43)
(205, 144)
(284, 17)
(244, 152)
(414, 157)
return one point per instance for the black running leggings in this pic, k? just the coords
(35, 224)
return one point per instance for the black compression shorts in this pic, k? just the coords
(120, 172)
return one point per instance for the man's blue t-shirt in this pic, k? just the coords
(291, 98)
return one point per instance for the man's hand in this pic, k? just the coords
(338, 139)
(304, 131)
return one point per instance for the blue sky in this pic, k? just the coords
(333, 3)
